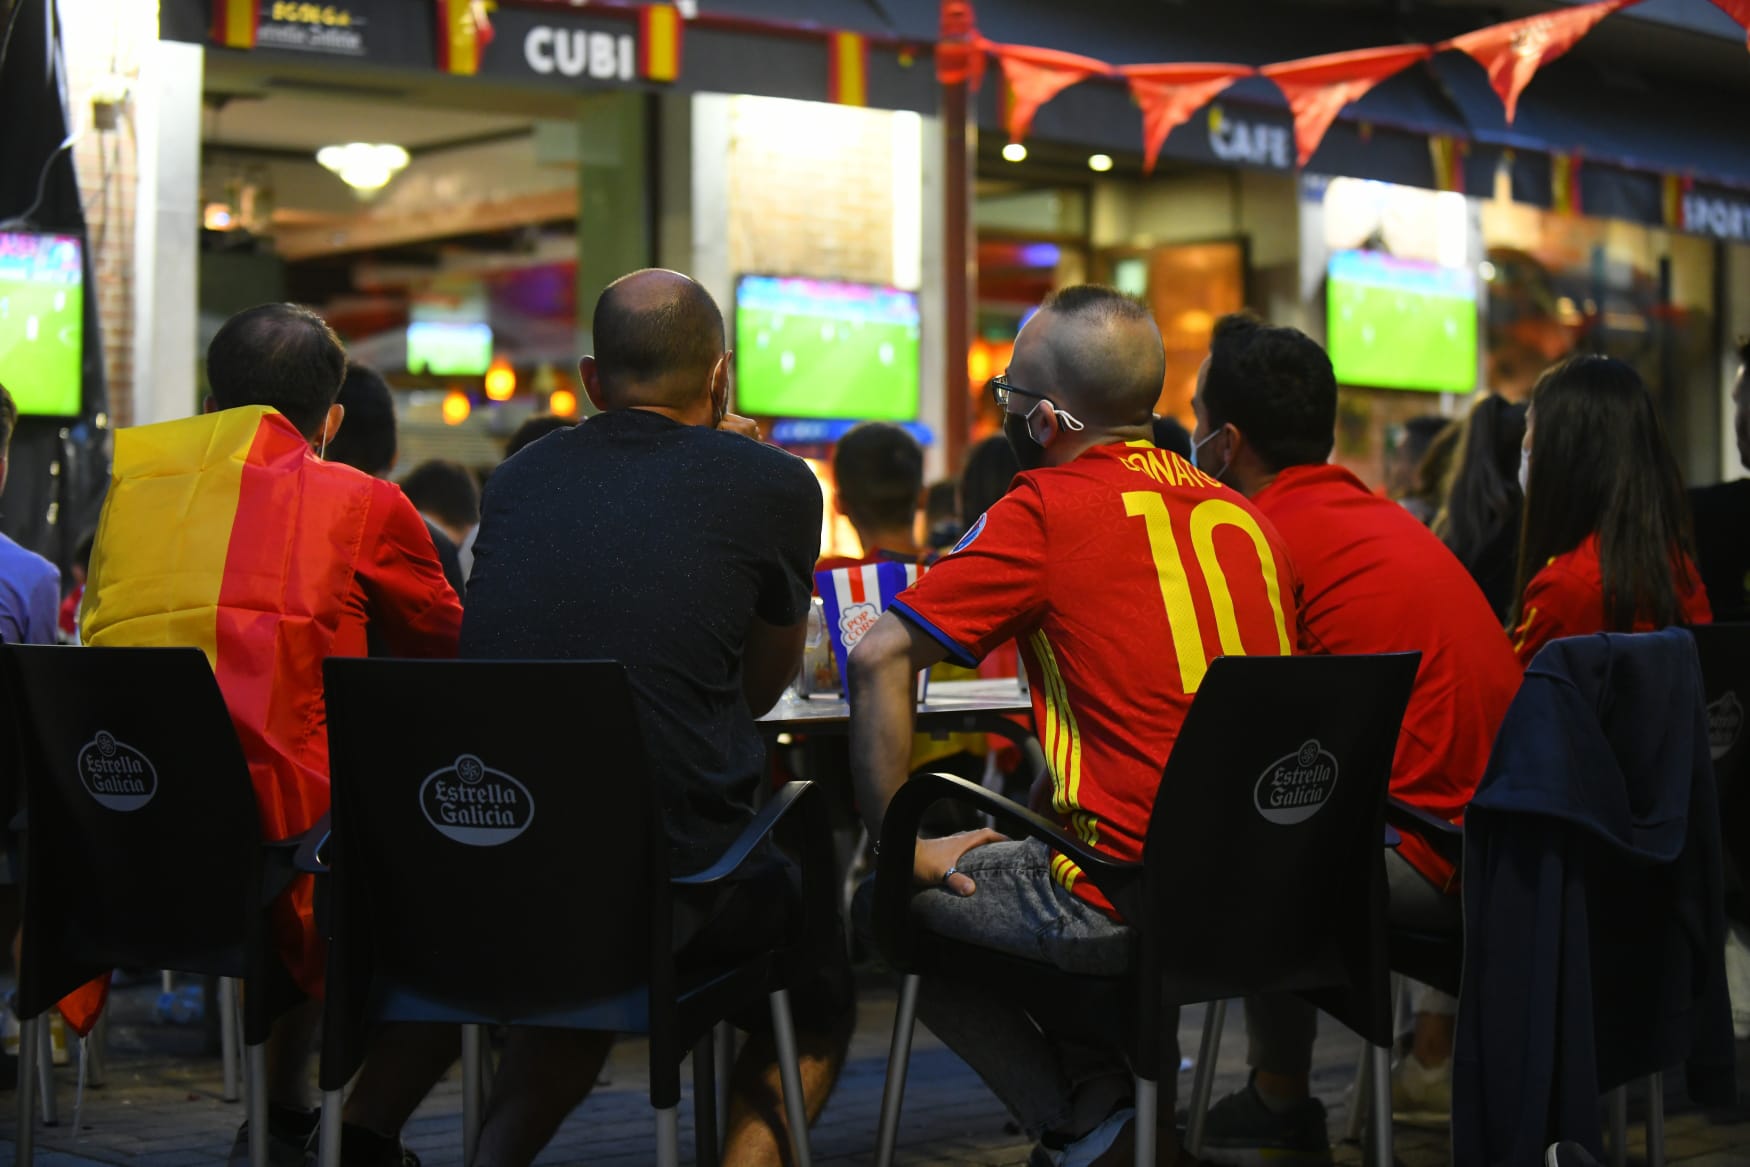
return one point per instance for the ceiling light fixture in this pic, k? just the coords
(1014, 152)
(367, 167)
(1099, 163)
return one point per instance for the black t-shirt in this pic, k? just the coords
(1722, 546)
(634, 538)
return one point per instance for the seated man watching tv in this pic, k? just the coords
(1373, 579)
(1077, 564)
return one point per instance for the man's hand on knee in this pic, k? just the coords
(935, 862)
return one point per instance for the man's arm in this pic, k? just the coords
(42, 622)
(412, 605)
(769, 661)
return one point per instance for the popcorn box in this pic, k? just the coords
(855, 597)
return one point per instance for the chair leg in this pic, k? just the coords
(1203, 1078)
(1381, 1107)
(790, 1074)
(1656, 1121)
(27, 1055)
(257, 1057)
(1359, 1096)
(97, 1046)
(706, 1152)
(668, 1137)
(723, 1051)
(227, 1006)
(1147, 1099)
(328, 1130)
(1617, 1102)
(898, 1057)
(45, 1068)
(473, 1089)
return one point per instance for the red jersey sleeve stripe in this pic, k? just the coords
(956, 652)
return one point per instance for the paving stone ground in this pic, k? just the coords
(161, 1106)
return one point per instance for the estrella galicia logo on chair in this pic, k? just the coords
(1725, 721)
(1294, 787)
(476, 805)
(115, 774)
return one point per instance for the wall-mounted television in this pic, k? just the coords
(1401, 323)
(448, 348)
(825, 348)
(42, 321)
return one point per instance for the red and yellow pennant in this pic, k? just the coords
(464, 29)
(235, 23)
(1672, 189)
(659, 42)
(847, 79)
(1564, 183)
(1448, 154)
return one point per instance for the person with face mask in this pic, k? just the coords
(1605, 545)
(1079, 563)
(1374, 579)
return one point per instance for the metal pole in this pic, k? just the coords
(893, 1093)
(1656, 1121)
(1203, 1081)
(473, 1091)
(790, 1074)
(1147, 1098)
(227, 1007)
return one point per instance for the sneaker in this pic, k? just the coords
(1569, 1155)
(288, 1134)
(1243, 1130)
(1421, 1093)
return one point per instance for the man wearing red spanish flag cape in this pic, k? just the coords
(228, 532)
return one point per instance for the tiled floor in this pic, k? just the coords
(161, 1107)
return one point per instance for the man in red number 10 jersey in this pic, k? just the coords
(1121, 571)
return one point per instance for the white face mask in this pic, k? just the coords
(1524, 469)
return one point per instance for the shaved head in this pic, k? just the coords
(1097, 352)
(658, 338)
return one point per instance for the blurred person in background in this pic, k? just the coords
(69, 622)
(369, 442)
(1480, 519)
(30, 586)
(878, 480)
(1722, 517)
(533, 430)
(448, 496)
(1415, 466)
(1605, 544)
(990, 467)
(942, 524)
(1170, 434)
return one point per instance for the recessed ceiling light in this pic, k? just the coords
(1100, 162)
(365, 166)
(1014, 152)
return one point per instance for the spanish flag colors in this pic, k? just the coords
(659, 42)
(463, 32)
(848, 68)
(235, 22)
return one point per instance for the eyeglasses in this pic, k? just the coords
(1000, 388)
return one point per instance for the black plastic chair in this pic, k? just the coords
(1334, 720)
(143, 847)
(1724, 650)
(507, 866)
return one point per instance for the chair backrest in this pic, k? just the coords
(496, 851)
(1265, 852)
(143, 846)
(1724, 650)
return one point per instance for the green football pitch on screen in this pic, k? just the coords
(42, 322)
(814, 349)
(1400, 324)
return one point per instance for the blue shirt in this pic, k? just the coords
(30, 595)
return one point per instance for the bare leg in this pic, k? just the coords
(289, 1044)
(758, 1135)
(543, 1076)
(402, 1063)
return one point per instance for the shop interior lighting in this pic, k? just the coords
(456, 407)
(367, 167)
(563, 403)
(1014, 152)
(500, 380)
(1099, 163)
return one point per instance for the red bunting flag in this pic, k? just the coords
(1170, 94)
(1738, 10)
(1035, 76)
(1513, 52)
(1318, 88)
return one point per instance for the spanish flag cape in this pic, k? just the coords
(224, 532)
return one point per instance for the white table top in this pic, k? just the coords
(963, 705)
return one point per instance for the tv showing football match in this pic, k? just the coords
(449, 348)
(42, 321)
(1401, 323)
(825, 349)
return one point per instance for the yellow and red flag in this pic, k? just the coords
(1448, 154)
(847, 78)
(659, 42)
(1672, 189)
(235, 23)
(463, 31)
(1564, 183)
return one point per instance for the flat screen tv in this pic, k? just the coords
(447, 348)
(1401, 323)
(42, 321)
(826, 349)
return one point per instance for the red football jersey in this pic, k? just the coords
(1120, 575)
(1566, 598)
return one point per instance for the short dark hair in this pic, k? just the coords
(534, 429)
(366, 439)
(1095, 299)
(878, 471)
(8, 419)
(990, 467)
(1275, 385)
(1106, 378)
(280, 355)
(444, 489)
(1170, 434)
(651, 345)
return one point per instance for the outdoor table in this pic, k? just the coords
(948, 707)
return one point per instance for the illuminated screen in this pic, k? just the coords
(42, 318)
(1402, 323)
(449, 348)
(819, 348)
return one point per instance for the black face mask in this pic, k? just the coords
(1028, 452)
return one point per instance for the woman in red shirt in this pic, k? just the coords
(1605, 545)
